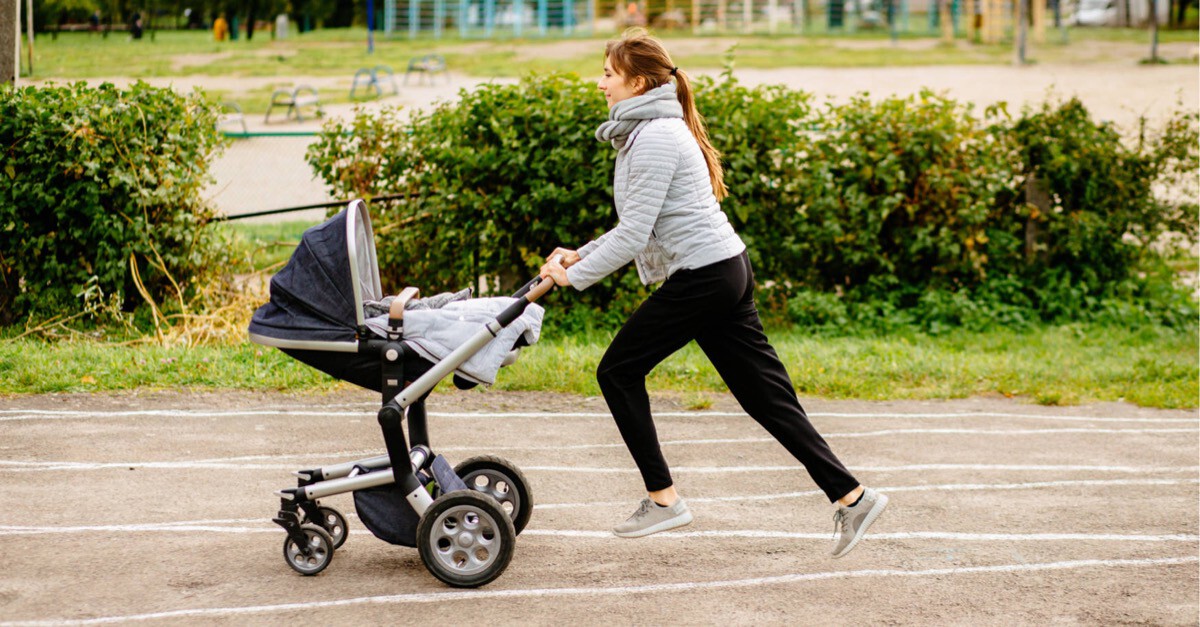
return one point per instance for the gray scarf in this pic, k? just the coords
(628, 115)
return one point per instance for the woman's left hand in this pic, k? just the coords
(556, 271)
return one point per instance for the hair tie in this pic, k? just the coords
(674, 70)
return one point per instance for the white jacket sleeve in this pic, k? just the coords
(653, 159)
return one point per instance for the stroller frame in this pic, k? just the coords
(309, 547)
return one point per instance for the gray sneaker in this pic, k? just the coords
(651, 517)
(852, 522)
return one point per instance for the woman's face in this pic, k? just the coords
(614, 85)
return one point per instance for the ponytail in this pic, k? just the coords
(638, 55)
(695, 123)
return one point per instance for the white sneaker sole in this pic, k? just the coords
(880, 505)
(666, 525)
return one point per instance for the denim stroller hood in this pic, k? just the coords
(313, 297)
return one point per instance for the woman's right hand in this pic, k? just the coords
(569, 257)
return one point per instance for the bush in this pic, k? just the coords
(899, 193)
(914, 204)
(817, 309)
(95, 177)
(1089, 212)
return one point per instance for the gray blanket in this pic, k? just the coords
(436, 332)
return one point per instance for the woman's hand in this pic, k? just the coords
(556, 271)
(569, 257)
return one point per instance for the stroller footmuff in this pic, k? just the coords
(463, 520)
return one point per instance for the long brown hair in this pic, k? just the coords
(638, 55)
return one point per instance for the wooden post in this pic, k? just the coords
(946, 21)
(1039, 21)
(970, 17)
(10, 33)
(772, 10)
(1154, 32)
(695, 16)
(747, 15)
(997, 28)
(722, 24)
(1021, 30)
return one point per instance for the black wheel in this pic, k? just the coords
(466, 539)
(334, 522)
(320, 550)
(500, 479)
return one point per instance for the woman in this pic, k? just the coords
(667, 189)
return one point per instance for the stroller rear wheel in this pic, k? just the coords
(466, 539)
(314, 557)
(500, 479)
(334, 522)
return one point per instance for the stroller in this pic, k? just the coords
(463, 520)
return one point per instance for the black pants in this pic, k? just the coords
(713, 305)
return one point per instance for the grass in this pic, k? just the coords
(1056, 365)
(265, 244)
(339, 52)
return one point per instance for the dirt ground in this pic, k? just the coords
(156, 508)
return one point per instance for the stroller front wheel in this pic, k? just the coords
(466, 539)
(315, 556)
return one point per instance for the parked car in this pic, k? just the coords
(1096, 13)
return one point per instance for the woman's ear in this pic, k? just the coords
(639, 85)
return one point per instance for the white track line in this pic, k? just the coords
(833, 436)
(709, 470)
(46, 414)
(910, 535)
(171, 527)
(46, 466)
(948, 487)
(689, 586)
(217, 526)
(213, 525)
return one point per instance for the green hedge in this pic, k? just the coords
(914, 204)
(93, 176)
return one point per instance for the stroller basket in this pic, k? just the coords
(463, 520)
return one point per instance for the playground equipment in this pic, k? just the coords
(985, 21)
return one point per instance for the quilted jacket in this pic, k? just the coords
(668, 217)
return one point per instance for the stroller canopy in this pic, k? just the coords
(317, 299)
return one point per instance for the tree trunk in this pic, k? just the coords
(251, 18)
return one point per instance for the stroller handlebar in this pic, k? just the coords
(538, 288)
(544, 285)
